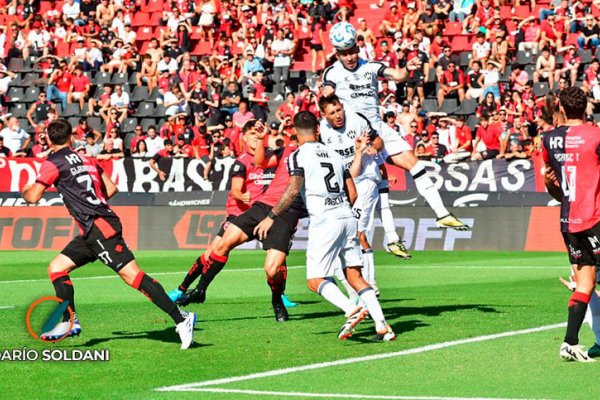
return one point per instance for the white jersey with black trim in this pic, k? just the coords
(324, 173)
(357, 89)
(342, 141)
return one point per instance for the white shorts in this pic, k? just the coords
(365, 204)
(394, 142)
(329, 241)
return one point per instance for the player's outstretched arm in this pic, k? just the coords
(291, 192)
(32, 193)
(350, 189)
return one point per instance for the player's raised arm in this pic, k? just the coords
(350, 188)
(32, 193)
(108, 186)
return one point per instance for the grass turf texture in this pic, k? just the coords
(436, 297)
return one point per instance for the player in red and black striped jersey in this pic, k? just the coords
(85, 188)
(241, 229)
(572, 156)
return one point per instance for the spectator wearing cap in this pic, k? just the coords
(4, 151)
(429, 21)
(183, 148)
(6, 78)
(416, 77)
(474, 89)
(59, 84)
(366, 32)
(452, 84)
(231, 97)
(365, 49)
(461, 9)
(392, 21)
(387, 58)
(545, 67)
(251, 65)
(37, 41)
(258, 97)
(15, 138)
(283, 50)
(489, 80)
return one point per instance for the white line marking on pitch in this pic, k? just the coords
(353, 360)
(302, 266)
(338, 395)
(7, 307)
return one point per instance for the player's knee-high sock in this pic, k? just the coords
(156, 294)
(334, 295)
(368, 269)
(594, 309)
(577, 306)
(369, 298)
(210, 268)
(277, 284)
(64, 290)
(387, 219)
(339, 274)
(427, 189)
(192, 274)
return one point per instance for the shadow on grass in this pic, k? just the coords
(167, 335)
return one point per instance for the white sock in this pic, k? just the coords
(594, 320)
(334, 295)
(368, 269)
(387, 219)
(368, 297)
(339, 275)
(427, 189)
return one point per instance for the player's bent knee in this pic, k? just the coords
(61, 263)
(314, 283)
(130, 272)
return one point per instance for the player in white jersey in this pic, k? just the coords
(328, 191)
(355, 82)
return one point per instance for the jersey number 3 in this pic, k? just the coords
(332, 186)
(87, 180)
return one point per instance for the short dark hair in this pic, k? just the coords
(59, 131)
(326, 101)
(168, 141)
(306, 122)
(574, 102)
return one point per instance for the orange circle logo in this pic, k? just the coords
(58, 311)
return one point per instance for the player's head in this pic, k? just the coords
(349, 58)
(305, 125)
(332, 109)
(59, 132)
(573, 102)
(249, 130)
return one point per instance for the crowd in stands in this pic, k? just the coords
(159, 78)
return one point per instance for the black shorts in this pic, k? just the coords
(316, 47)
(583, 247)
(104, 242)
(224, 225)
(281, 233)
(489, 154)
(415, 83)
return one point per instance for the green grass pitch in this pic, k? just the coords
(437, 297)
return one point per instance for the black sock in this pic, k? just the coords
(277, 284)
(64, 290)
(156, 294)
(210, 268)
(577, 307)
(194, 272)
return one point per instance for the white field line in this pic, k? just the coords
(353, 360)
(7, 307)
(336, 395)
(399, 266)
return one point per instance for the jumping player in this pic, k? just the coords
(85, 188)
(328, 189)
(572, 156)
(355, 82)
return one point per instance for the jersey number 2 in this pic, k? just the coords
(332, 186)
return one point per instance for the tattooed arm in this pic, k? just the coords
(291, 192)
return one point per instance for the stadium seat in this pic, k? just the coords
(154, 6)
(15, 94)
(505, 77)
(525, 57)
(62, 49)
(560, 59)
(144, 34)
(196, 33)
(460, 43)
(74, 121)
(430, 105)
(132, 78)
(18, 110)
(530, 70)
(15, 65)
(145, 110)
(29, 78)
(467, 107)
(449, 106)
(523, 12)
(96, 123)
(472, 123)
(155, 19)
(506, 12)
(540, 89)
(160, 111)
(140, 93)
(24, 123)
(465, 58)
(201, 49)
(452, 29)
(119, 79)
(147, 123)
(31, 94)
(72, 110)
(128, 125)
(101, 78)
(586, 56)
(140, 19)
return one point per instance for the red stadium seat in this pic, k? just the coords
(202, 49)
(155, 19)
(154, 5)
(62, 49)
(506, 12)
(140, 19)
(523, 11)
(572, 39)
(144, 33)
(453, 29)
(460, 43)
(196, 33)
(158, 30)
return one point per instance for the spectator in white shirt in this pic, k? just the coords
(15, 138)
(154, 143)
(283, 49)
(120, 100)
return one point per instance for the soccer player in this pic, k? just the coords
(328, 189)
(572, 156)
(355, 82)
(85, 188)
(248, 183)
(241, 230)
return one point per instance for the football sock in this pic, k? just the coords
(277, 284)
(368, 269)
(64, 290)
(577, 307)
(213, 265)
(594, 307)
(334, 295)
(156, 294)
(427, 189)
(387, 219)
(339, 274)
(367, 295)
(192, 274)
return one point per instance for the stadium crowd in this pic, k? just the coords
(180, 78)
